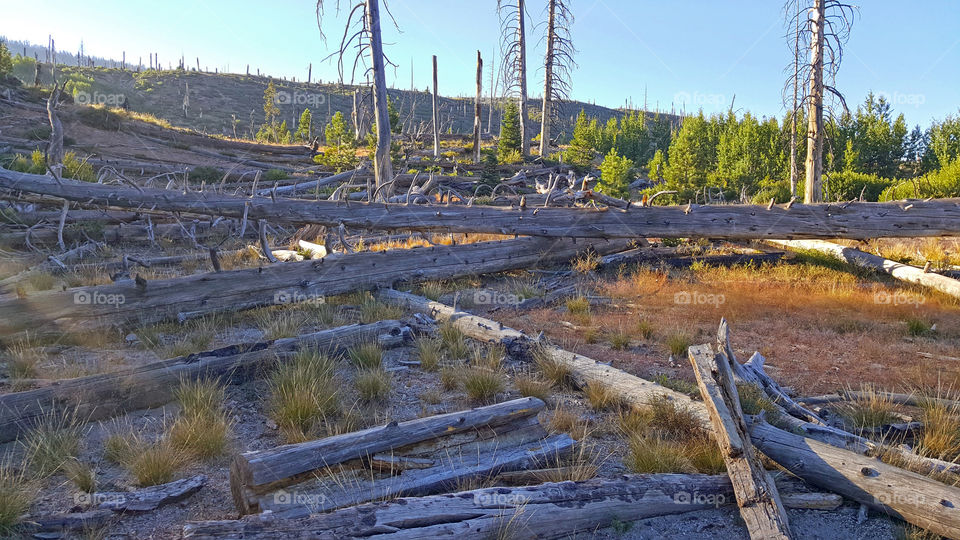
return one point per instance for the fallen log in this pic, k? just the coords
(912, 497)
(903, 272)
(584, 371)
(550, 510)
(124, 304)
(756, 494)
(106, 395)
(345, 176)
(259, 472)
(445, 475)
(148, 498)
(854, 220)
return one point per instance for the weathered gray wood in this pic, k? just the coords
(550, 510)
(904, 272)
(267, 470)
(915, 498)
(101, 396)
(632, 389)
(72, 521)
(240, 289)
(854, 220)
(149, 498)
(449, 472)
(345, 176)
(753, 487)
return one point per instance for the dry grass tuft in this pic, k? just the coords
(563, 420)
(941, 427)
(601, 397)
(429, 352)
(22, 361)
(580, 465)
(753, 400)
(16, 495)
(873, 409)
(373, 385)
(81, 474)
(366, 356)
(482, 385)
(53, 441)
(372, 310)
(556, 372)
(279, 322)
(655, 455)
(578, 306)
(489, 357)
(665, 437)
(644, 329)
(530, 385)
(454, 342)
(450, 377)
(586, 263)
(678, 343)
(156, 463)
(303, 392)
(618, 339)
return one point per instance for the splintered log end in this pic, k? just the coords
(243, 497)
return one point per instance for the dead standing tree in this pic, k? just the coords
(363, 20)
(826, 30)
(557, 65)
(514, 45)
(476, 110)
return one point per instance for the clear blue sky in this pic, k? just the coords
(702, 51)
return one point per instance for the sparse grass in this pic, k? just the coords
(122, 446)
(453, 341)
(202, 435)
(53, 441)
(482, 385)
(41, 281)
(81, 474)
(156, 463)
(525, 288)
(941, 428)
(644, 329)
(577, 466)
(655, 455)
(601, 397)
(678, 343)
(22, 361)
(578, 306)
(366, 356)
(618, 339)
(432, 290)
(907, 531)
(279, 322)
(530, 385)
(373, 385)
(450, 377)
(586, 263)
(429, 352)
(431, 397)
(553, 370)
(16, 495)
(372, 310)
(918, 327)
(705, 455)
(873, 409)
(303, 392)
(677, 385)
(489, 357)
(563, 420)
(200, 396)
(753, 400)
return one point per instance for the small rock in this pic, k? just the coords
(271, 424)
(132, 338)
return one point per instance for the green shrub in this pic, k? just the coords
(939, 184)
(847, 185)
(205, 174)
(99, 117)
(615, 175)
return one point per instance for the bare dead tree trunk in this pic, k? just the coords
(793, 115)
(814, 162)
(525, 135)
(546, 110)
(355, 115)
(382, 167)
(55, 148)
(436, 113)
(476, 111)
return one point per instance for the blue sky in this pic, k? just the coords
(699, 51)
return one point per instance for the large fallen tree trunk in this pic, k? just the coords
(551, 510)
(584, 371)
(123, 304)
(106, 395)
(259, 472)
(853, 220)
(345, 176)
(904, 272)
(912, 497)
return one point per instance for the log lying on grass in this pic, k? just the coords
(260, 472)
(632, 389)
(124, 304)
(850, 220)
(903, 272)
(912, 497)
(550, 510)
(109, 394)
(756, 494)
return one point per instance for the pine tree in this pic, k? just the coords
(656, 166)
(6, 62)
(394, 114)
(509, 132)
(615, 175)
(580, 152)
(305, 126)
(337, 133)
